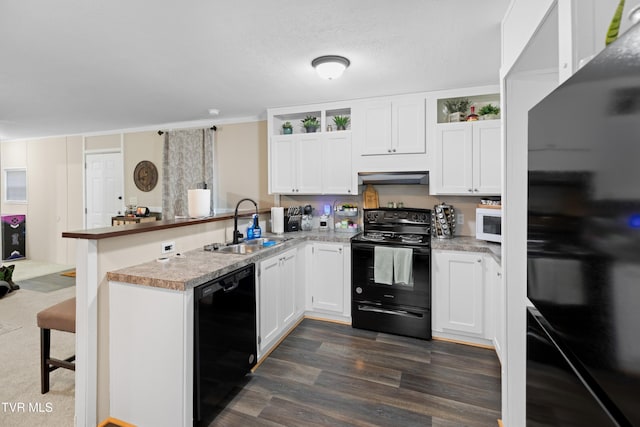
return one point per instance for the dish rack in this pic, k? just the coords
(346, 218)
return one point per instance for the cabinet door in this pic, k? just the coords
(269, 301)
(288, 286)
(486, 157)
(377, 128)
(336, 167)
(459, 282)
(408, 125)
(454, 159)
(309, 168)
(283, 164)
(500, 311)
(328, 277)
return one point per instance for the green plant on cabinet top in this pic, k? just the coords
(341, 122)
(310, 123)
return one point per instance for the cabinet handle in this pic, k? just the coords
(348, 191)
(480, 260)
(339, 250)
(475, 189)
(389, 150)
(394, 150)
(293, 190)
(470, 190)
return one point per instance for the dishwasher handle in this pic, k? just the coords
(233, 286)
(226, 283)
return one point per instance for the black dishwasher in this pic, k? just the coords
(225, 346)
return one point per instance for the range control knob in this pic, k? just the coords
(358, 290)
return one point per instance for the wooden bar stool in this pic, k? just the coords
(60, 317)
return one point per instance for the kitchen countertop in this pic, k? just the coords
(193, 268)
(469, 244)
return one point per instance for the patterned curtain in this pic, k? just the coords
(188, 161)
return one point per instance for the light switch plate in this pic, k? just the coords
(459, 218)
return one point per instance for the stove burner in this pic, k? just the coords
(411, 238)
(374, 237)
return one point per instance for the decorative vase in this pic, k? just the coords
(287, 131)
(310, 129)
(341, 127)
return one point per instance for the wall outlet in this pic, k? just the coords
(459, 218)
(168, 247)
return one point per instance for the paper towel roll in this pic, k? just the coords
(277, 220)
(199, 203)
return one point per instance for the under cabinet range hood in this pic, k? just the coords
(381, 178)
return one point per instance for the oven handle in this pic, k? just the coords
(422, 250)
(387, 311)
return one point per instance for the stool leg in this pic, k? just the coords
(45, 347)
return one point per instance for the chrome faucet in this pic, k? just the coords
(236, 234)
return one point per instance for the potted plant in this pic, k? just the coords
(287, 128)
(489, 112)
(341, 122)
(310, 124)
(457, 108)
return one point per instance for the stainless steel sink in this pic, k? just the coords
(252, 246)
(240, 248)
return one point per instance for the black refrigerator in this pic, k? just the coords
(583, 249)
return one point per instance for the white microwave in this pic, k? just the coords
(489, 224)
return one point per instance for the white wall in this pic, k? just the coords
(54, 194)
(139, 146)
(529, 72)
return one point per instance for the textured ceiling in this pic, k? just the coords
(71, 67)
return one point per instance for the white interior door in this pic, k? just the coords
(104, 186)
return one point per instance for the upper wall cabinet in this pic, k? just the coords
(467, 157)
(393, 126)
(311, 159)
(466, 154)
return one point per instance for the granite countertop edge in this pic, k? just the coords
(196, 267)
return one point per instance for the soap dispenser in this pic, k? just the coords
(256, 230)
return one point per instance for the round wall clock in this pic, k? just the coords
(145, 175)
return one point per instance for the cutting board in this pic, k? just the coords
(370, 196)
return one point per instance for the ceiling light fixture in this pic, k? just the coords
(330, 66)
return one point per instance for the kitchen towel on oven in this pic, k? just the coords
(383, 265)
(403, 266)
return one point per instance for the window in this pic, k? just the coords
(15, 182)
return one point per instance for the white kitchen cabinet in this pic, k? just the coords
(330, 281)
(151, 355)
(278, 307)
(393, 126)
(467, 158)
(337, 176)
(316, 163)
(498, 313)
(459, 287)
(295, 168)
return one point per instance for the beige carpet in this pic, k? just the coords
(21, 404)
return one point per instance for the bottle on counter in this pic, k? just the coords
(256, 231)
(249, 232)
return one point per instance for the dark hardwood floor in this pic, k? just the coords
(327, 374)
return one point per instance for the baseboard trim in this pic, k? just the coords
(456, 341)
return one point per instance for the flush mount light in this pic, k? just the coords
(330, 66)
(214, 111)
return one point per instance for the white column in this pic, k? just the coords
(86, 332)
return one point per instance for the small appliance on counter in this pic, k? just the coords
(325, 218)
(489, 222)
(443, 221)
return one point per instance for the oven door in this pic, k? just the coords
(378, 282)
